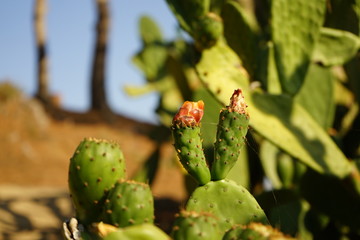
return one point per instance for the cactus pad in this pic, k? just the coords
(94, 168)
(229, 202)
(188, 144)
(129, 203)
(195, 226)
(144, 231)
(254, 231)
(295, 29)
(231, 132)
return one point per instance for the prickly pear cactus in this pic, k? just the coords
(195, 226)
(229, 202)
(254, 231)
(231, 132)
(94, 168)
(188, 144)
(129, 203)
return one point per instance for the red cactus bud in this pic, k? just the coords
(190, 113)
(237, 102)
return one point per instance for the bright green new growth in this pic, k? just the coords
(254, 231)
(94, 168)
(229, 202)
(188, 143)
(231, 132)
(189, 148)
(195, 226)
(144, 231)
(129, 203)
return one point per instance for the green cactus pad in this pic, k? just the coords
(188, 143)
(94, 168)
(144, 231)
(295, 29)
(129, 203)
(229, 202)
(195, 226)
(231, 132)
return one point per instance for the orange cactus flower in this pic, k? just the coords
(190, 113)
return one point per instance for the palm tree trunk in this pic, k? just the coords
(42, 61)
(98, 93)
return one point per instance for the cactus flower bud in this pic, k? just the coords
(231, 132)
(190, 114)
(237, 102)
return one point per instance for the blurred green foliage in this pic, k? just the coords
(298, 65)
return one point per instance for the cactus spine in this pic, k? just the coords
(188, 143)
(94, 168)
(231, 132)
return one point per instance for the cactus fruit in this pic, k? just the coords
(144, 231)
(254, 231)
(207, 30)
(231, 132)
(194, 226)
(229, 202)
(195, 17)
(188, 11)
(94, 168)
(188, 144)
(129, 203)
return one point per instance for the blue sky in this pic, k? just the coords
(70, 33)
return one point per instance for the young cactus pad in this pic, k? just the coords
(188, 144)
(94, 168)
(129, 203)
(229, 202)
(195, 226)
(231, 132)
(144, 231)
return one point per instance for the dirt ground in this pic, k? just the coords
(34, 155)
